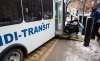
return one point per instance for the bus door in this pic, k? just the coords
(59, 17)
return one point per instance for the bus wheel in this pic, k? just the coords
(13, 55)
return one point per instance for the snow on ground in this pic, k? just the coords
(81, 53)
(70, 50)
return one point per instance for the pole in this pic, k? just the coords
(89, 27)
(63, 15)
(65, 5)
(83, 2)
(83, 9)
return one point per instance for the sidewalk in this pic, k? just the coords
(69, 50)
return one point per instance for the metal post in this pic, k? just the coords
(65, 5)
(63, 15)
(89, 27)
(83, 2)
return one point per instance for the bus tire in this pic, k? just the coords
(13, 55)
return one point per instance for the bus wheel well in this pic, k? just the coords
(23, 49)
(17, 46)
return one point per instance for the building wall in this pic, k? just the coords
(74, 6)
(89, 4)
(78, 5)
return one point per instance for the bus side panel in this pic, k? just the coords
(31, 35)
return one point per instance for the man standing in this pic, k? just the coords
(96, 16)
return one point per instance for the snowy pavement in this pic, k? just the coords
(69, 50)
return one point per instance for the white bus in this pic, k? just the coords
(24, 26)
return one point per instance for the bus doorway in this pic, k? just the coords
(59, 17)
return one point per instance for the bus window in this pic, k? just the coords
(32, 10)
(47, 9)
(10, 12)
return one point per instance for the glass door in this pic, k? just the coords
(59, 17)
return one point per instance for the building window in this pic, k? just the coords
(10, 12)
